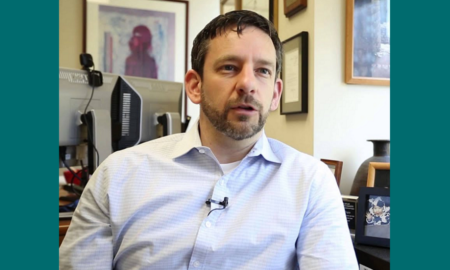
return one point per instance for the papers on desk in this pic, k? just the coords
(65, 214)
(62, 180)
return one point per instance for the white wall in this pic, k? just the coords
(345, 116)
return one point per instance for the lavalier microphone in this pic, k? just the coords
(224, 203)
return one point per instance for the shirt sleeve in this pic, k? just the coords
(88, 242)
(324, 240)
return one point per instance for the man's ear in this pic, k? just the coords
(278, 89)
(193, 86)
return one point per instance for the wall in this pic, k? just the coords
(70, 33)
(342, 116)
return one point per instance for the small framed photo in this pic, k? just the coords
(351, 207)
(294, 73)
(373, 221)
(335, 167)
(293, 6)
(379, 175)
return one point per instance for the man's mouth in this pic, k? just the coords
(245, 107)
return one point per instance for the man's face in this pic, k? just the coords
(239, 87)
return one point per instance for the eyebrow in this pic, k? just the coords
(235, 58)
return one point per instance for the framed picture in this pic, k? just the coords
(139, 38)
(367, 45)
(379, 175)
(294, 73)
(268, 9)
(335, 167)
(293, 6)
(373, 221)
(350, 206)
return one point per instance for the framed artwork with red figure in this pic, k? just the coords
(140, 38)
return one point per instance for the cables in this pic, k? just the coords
(90, 133)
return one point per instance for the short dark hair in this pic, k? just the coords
(219, 25)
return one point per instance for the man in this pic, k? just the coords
(222, 195)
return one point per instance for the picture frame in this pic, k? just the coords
(367, 44)
(350, 207)
(335, 167)
(373, 217)
(141, 38)
(268, 9)
(379, 175)
(294, 73)
(291, 7)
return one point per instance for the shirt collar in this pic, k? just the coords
(191, 140)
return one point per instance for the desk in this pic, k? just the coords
(376, 258)
(63, 222)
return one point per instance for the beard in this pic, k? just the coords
(237, 130)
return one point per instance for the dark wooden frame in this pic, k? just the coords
(363, 198)
(299, 41)
(349, 52)
(337, 168)
(291, 7)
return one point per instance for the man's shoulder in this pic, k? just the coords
(283, 150)
(158, 147)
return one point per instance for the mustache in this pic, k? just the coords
(248, 99)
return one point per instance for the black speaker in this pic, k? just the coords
(95, 78)
(86, 60)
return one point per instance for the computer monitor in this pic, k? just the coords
(123, 112)
(74, 94)
(160, 111)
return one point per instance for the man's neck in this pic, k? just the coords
(225, 149)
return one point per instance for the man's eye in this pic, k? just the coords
(228, 67)
(264, 71)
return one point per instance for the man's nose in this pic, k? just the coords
(246, 83)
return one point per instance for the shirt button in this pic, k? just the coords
(208, 224)
(201, 151)
(196, 264)
(222, 183)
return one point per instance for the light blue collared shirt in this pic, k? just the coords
(144, 208)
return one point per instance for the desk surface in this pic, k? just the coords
(376, 258)
(64, 193)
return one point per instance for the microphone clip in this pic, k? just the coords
(224, 203)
